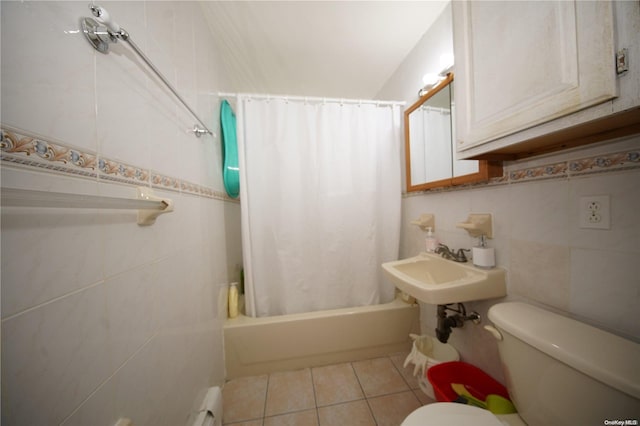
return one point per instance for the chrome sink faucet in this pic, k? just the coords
(447, 253)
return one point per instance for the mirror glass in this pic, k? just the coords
(429, 146)
(430, 138)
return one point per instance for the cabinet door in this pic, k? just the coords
(521, 64)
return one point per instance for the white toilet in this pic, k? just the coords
(559, 371)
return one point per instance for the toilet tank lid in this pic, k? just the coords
(597, 353)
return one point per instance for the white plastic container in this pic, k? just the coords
(233, 300)
(427, 351)
(484, 257)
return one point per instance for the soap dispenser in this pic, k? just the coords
(431, 242)
(483, 256)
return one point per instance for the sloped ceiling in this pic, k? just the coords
(343, 49)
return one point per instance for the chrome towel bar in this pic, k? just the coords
(102, 31)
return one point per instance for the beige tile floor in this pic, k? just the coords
(372, 392)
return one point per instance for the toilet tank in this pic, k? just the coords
(560, 371)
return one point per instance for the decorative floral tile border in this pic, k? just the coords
(620, 160)
(583, 166)
(589, 165)
(29, 151)
(541, 172)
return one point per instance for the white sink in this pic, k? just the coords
(432, 279)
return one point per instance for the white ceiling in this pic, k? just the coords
(344, 49)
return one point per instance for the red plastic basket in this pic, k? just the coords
(478, 383)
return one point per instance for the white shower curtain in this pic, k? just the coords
(320, 199)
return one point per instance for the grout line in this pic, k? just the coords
(301, 410)
(400, 373)
(315, 397)
(266, 398)
(105, 381)
(358, 379)
(53, 300)
(335, 404)
(366, 398)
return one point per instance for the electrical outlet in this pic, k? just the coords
(594, 212)
(622, 61)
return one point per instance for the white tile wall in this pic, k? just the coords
(605, 289)
(539, 211)
(548, 258)
(589, 273)
(47, 253)
(48, 75)
(103, 318)
(54, 356)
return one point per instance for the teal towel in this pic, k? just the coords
(230, 169)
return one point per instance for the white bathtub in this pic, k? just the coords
(256, 346)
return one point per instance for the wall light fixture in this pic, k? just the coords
(430, 80)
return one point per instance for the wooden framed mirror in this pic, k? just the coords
(429, 144)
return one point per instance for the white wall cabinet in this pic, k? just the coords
(533, 77)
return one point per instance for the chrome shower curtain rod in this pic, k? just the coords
(103, 30)
(312, 99)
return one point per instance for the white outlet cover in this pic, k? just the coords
(595, 212)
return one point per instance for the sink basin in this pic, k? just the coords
(432, 279)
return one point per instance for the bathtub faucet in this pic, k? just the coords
(447, 253)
